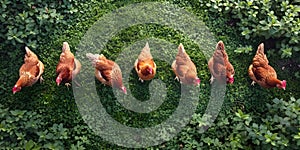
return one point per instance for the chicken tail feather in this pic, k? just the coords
(220, 46)
(260, 49)
(147, 46)
(65, 47)
(27, 50)
(181, 49)
(145, 54)
(93, 58)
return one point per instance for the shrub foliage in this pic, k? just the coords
(275, 22)
(45, 116)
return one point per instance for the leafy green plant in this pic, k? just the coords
(244, 50)
(278, 128)
(45, 116)
(266, 20)
(297, 74)
(29, 130)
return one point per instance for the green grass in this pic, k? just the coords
(57, 105)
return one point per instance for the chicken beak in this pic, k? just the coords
(230, 80)
(197, 82)
(58, 80)
(150, 70)
(124, 90)
(15, 90)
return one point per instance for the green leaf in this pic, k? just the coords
(17, 112)
(29, 145)
(297, 136)
(276, 101)
(263, 22)
(19, 40)
(45, 16)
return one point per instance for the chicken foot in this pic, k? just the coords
(141, 80)
(211, 79)
(41, 79)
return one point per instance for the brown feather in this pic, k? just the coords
(143, 63)
(106, 71)
(145, 53)
(261, 72)
(30, 72)
(219, 65)
(66, 68)
(183, 67)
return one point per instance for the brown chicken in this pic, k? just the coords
(68, 66)
(262, 73)
(184, 69)
(144, 65)
(30, 72)
(107, 71)
(219, 65)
